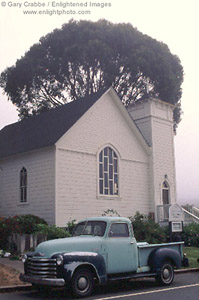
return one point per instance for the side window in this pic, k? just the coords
(23, 185)
(119, 230)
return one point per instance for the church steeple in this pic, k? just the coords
(154, 118)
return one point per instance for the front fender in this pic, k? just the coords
(158, 256)
(74, 260)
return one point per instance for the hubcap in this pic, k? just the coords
(166, 274)
(82, 283)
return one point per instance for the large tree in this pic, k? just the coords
(84, 56)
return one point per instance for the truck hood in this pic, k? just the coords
(83, 243)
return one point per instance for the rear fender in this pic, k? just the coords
(158, 256)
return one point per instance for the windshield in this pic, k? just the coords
(96, 228)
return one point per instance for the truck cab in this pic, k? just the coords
(117, 242)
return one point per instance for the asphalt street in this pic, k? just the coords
(185, 287)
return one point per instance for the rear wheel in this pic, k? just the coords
(82, 283)
(166, 274)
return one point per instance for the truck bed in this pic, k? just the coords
(144, 250)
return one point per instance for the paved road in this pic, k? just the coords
(185, 287)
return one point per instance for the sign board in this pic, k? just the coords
(176, 213)
(176, 226)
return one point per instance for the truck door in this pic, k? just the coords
(121, 249)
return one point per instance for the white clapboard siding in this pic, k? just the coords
(40, 166)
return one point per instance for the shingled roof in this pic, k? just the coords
(45, 129)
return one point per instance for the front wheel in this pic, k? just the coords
(166, 274)
(82, 283)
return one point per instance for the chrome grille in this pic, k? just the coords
(42, 267)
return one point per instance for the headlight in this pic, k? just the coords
(60, 260)
(24, 258)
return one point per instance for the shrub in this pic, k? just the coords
(4, 233)
(70, 226)
(52, 231)
(27, 224)
(146, 230)
(24, 224)
(111, 213)
(190, 235)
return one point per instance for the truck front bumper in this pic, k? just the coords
(42, 281)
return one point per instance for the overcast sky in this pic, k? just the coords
(174, 22)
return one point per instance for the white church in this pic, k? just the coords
(88, 156)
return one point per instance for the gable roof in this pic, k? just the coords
(130, 121)
(45, 129)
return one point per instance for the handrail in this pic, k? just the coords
(196, 209)
(192, 209)
(191, 215)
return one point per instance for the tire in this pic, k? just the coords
(166, 274)
(82, 283)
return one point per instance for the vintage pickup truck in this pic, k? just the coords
(101, 250)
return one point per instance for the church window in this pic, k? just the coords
(166, 199)
(165, 193)
(23, 185)
(108, 172)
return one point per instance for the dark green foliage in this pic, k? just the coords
(111, 213)
(27, 224)
(84, 56)
(190, 235)
(30, 224)
(52, 231)
(70, 226)
(5, 231)
(23, 224)
(146, 230)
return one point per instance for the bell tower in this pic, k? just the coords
(154, 118)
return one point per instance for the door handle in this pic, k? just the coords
(132, 242)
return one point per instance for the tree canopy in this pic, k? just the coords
(83, 57)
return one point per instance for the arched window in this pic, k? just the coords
(165, 199)
(23, 185)
(165, 193)
(108, 172)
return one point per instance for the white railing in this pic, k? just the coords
(192, 209)
(196, 211)
(190, 217)
(191, 214)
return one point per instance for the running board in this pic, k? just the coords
(130, 276)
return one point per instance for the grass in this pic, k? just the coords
(192, 253)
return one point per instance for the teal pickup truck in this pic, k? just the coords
(101, 250)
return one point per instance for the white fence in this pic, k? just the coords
(25, 242)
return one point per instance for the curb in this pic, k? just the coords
(187, 270)
(28, 287)
(13, 288)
